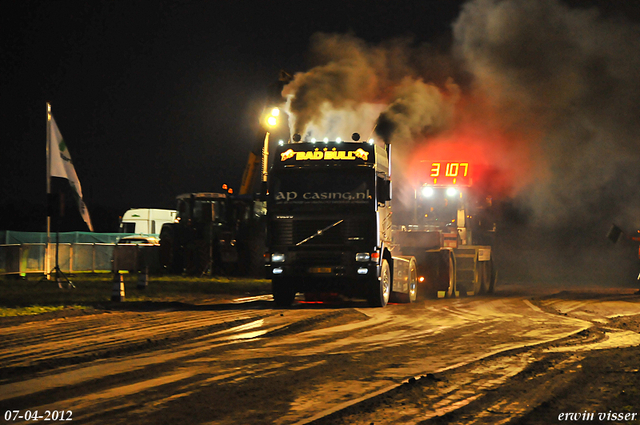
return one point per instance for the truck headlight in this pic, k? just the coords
(427, 192)
(277, 257)
(363, 256)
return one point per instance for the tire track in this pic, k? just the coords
(85, 340)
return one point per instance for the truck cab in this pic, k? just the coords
(329, 221)
(449, 230)
(146, 220)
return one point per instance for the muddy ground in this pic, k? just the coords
(558, 385)
(552, 383)
(590, 386)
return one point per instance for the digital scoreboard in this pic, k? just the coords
(444, 173)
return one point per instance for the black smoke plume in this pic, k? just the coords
(564, 81)
(570, 77)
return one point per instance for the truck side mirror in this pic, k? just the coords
(384, 190)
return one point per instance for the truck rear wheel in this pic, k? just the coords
(255, 260)
(493, 276)
(479, 283)
(193, 261)
(448, 274)
(283, 291)
(484, 275)
(381, 288)
(170, 251)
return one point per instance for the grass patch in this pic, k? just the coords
(32, 296)
(36, 309)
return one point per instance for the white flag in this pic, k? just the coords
(60, 165)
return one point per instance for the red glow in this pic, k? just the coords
(499, 163)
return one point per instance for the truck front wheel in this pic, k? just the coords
(283, 291)
(381, 288)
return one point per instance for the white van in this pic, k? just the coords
(146, 220)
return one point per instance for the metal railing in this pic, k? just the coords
(20, 259)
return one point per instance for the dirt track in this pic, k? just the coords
(512, 358)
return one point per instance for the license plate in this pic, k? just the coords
(320, 270)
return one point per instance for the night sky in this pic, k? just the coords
(158, 98)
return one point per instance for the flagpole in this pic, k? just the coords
(47, 261)
(54, 142)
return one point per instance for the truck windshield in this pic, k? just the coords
(207, 210)
(439, 207)
(327, 186)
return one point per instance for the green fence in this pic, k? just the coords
(20, 259)
(10, 237)
(26, 252)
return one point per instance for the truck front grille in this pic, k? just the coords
(312, 258)
(302, 229)
(291, 232)
(282, 232)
